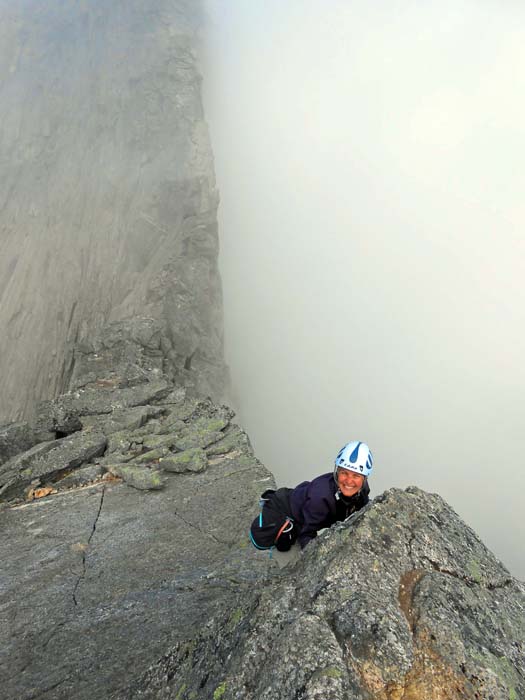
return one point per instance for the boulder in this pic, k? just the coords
(197, 438)
(121, 354)
(193, 460)
(152, 442)
(181, 412)
(202, 432)
(56, 419)
(15, 438)
(45, 462)
(122, 419)
(235, 439)
(174, 427)
(151, 456)
(104, 400)
(80, 477)
(137, 476)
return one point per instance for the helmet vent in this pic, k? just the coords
(355, 453)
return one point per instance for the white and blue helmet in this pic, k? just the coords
(356, 457)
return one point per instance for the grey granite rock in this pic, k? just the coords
(138, 476)
(122, 419)
(47, 461)
(102, 581)
(122, 354)
(401, 601)
(201, 432)
(176, 427)
(120, 442)
(197, 438)
(10, 471)
(79, 477)
(107, 199)
(151, 442)
(192, 460)
(231, 441)
(15, 438)
(150, 457)
(97, 583)
(105, 400)
(56, 419)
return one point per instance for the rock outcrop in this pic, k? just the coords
(107, 192)
(402, 601)
(123, 528)
(127, 571)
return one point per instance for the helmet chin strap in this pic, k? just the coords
(339, 495)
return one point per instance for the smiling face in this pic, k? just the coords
(349, 482)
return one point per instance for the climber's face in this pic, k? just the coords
(349, 482)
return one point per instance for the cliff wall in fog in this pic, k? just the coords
(107, 191)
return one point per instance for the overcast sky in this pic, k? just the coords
(370, 162)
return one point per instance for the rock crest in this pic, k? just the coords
(401, 601)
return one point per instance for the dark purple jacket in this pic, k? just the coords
(314, 505)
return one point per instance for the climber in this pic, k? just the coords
(298, 514)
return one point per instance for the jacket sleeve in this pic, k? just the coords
(316, 515)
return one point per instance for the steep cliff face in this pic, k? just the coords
(107, 191)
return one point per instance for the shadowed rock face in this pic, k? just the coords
(401, 601)
(107, 191)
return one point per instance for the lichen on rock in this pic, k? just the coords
(192, 460)
(137, 476)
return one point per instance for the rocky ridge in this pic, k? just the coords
(401, 602)
(123, 523)
(127, 570)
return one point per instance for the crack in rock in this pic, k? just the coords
(42, 693)
(491, 586)
(84, 554)
(195, 527)
(410, 545)
(19, 672)
(229, 474)
(42, 646)
(54, 631)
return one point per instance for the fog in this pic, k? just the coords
(370, 164)
(107, 190)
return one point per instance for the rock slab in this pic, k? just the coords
(99, 581)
